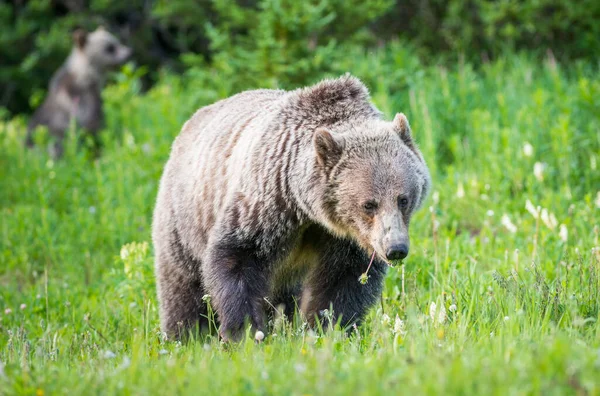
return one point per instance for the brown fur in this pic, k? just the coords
(75, 90)
(264, 197)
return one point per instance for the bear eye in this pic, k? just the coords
(110, 48)
(402, 202)
(370, 206)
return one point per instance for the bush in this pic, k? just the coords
(281, 42)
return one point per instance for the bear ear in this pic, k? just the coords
(80, 38)
(329, 147)
(403, 128)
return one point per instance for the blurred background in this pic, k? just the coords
(282, 42)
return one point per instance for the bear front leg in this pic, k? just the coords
(237, 283)
(334, 284)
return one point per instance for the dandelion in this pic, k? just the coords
(527, 149)
(23, 306)
(259, 336)
(460, 192)
(532, 209)
(538, 170)
(563, 233)
(549, 219)
(508, 224)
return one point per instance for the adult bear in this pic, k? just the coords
(283, 196)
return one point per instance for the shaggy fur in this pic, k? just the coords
(283, 195)
(74, 91)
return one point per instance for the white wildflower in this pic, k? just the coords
(386, 320)
(490, 213)
(452, 308)
(163, 352)
(436, 197)
(23, 306)
(563, 233)
(538, 170)
(432, 310)
(399, 326)
(549, 219)
(7, 311)
(206, 347)
(532, 209)
(527, 149)
(438, 316)
(92, 209)
(259, 336)
(508, 224)
(460, 192)
(506, 318)
(109, 355)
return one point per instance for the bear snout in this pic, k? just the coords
(397, 252)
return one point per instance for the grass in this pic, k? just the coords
(496, 298)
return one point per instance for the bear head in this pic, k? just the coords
(102, 49)
(375, 180)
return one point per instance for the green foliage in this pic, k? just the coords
(495, 298)
(282, 42)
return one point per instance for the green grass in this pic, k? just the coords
(78, 312)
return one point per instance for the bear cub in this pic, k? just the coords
(75, 90)
(277, 197)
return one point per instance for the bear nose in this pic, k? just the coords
(397, 252)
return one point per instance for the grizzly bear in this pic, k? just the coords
(75, 90)
(281, 197)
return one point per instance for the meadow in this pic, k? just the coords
(500, 295)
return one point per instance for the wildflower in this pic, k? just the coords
(259, 336)
(563, 233)
(506, 318)
(7, 311)
(527, 149)
(385, 320)
(206, 347)
(538, 170)
(549, 219)
(92, 209)
(535, 212)
(436, 197)
(490, 213)
(432, 309)
(508, 224)
(109, 355)
(437, 316)
(399, 326)
(460, 192)
(23, 306)
(163, 352)
(452, 308)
